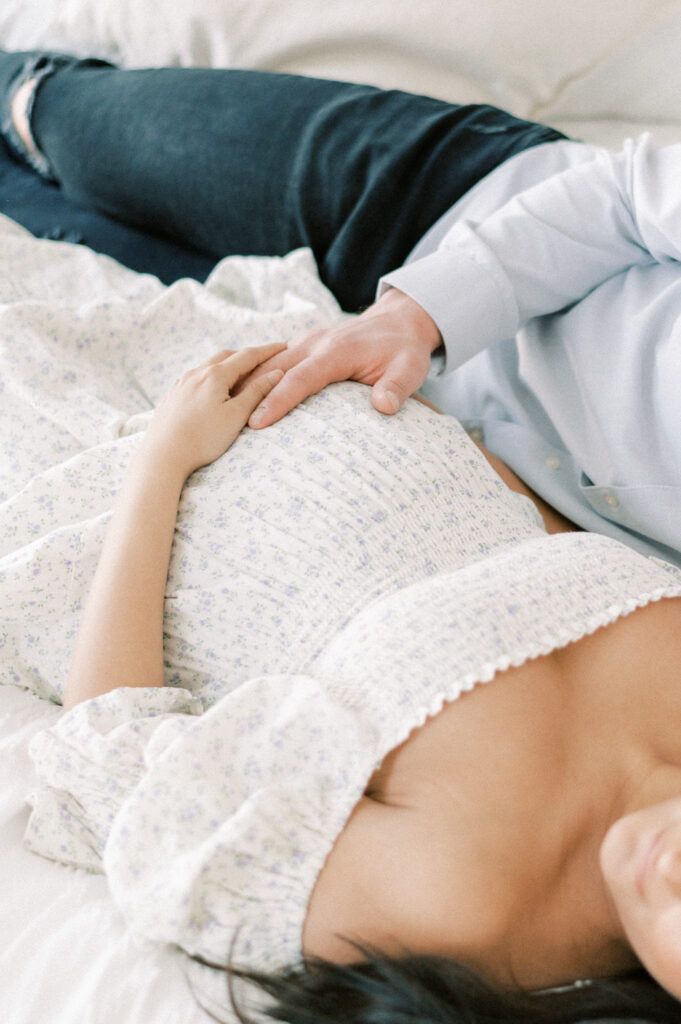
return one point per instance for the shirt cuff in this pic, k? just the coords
(464, 289)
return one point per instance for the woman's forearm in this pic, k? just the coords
(120, 641)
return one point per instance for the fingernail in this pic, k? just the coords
(274, 376)
(256, 418)
(392, 400)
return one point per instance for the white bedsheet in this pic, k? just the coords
(86, 348)
(65, 954)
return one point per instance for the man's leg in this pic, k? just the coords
(229, 161)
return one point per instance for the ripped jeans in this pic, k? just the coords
(257, 163)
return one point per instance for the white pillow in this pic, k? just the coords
(577, 59)
(637, 77)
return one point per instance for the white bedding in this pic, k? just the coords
(66, 956)
(86, 347)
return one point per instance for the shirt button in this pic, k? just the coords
(553, 462)
(611, 500)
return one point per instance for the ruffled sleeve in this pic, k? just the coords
(89, 763)
(211, 828)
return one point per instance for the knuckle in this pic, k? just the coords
(300, 383)
(313, 335)
(308, 343)
(413, 364)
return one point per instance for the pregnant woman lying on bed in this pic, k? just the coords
(354, 714)
(429, 726)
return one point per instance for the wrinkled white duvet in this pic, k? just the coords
(86, 349)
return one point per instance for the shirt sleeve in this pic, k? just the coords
(548, 247)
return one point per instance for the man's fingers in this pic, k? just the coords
(402, 378)
(294, 354)
(253, 393)
(386, 398)
(297, 385)
(238, 365)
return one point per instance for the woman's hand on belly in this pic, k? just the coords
(204, 412)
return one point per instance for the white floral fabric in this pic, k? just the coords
(334, 580)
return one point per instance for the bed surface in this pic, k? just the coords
(66, 956)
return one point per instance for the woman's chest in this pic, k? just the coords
(528, 730)
(435, 858)
(482, 830)
(503, 745)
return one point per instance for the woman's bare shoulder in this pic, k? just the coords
(410, 867)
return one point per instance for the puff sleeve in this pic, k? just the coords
(90, 762)
(211, 828)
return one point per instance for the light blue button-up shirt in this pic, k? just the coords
(556, 285)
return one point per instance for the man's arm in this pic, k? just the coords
(545, 249)
(549, 246)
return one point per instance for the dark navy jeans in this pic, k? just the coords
(244, 162)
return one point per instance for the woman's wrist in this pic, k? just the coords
(161, 462)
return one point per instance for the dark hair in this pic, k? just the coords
(415, 989)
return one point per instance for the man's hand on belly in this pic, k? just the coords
(388, 347)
